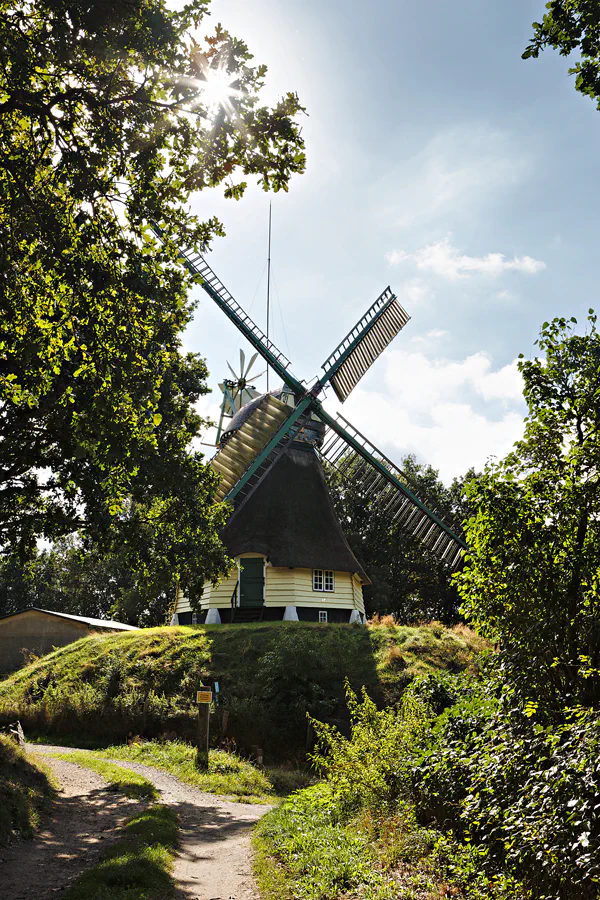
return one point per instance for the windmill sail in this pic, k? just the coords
(361, 347)
(356, 458)
(247, 442)
(252, 450)
(214, 287)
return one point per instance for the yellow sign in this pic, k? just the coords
(204, 696)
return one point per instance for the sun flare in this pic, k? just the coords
(217, 90)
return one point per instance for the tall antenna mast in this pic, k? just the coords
(268, 287)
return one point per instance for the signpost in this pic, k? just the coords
(204, 697)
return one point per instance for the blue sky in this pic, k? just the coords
(438, 162)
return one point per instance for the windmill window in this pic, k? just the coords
(323, 580)
(322, 615)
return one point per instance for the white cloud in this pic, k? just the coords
(453, 414)
(445, 260)
(415, 291)
(436, 333)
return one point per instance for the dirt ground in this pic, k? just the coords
(214, 860)
(83, 820)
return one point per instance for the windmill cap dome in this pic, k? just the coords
(246, 411)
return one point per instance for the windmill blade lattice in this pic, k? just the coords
(355, 458)
(214, 287)
(364, 344)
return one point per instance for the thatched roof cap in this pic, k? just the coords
(290, 519)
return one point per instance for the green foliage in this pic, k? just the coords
(355, 834)
(532, 575)
(572, 26)
(136, 867)
(521, 799)
(372, 769)
(24, 791)
(85, 580)
(227, 772)
(408, 580)
(456, 785)
(105, 688)
(106, 127)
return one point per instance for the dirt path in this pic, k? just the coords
(214, 861)
(82, 821)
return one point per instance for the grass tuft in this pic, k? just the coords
(132, 784)
(227, 773)
(138, 866)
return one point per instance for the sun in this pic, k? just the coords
(217, 90)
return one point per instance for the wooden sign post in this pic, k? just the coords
(203, 699)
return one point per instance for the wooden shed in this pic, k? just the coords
(40, 631)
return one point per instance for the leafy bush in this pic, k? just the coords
(373, 769)
(466, 786)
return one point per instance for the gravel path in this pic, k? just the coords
(82, 821)
(214, 860)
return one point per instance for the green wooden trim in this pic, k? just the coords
(279, 434)
(269, 358)
(266, 354)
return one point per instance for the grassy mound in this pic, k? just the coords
(107, 688)
(24, 790)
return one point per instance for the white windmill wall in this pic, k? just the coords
(295, 586)
(285, 587)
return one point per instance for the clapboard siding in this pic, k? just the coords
(357, 592)
(294, 587)
(285, 587)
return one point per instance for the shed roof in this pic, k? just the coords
(85, 620)
(290, 519)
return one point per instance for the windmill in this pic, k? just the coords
(237, 392)
(270, 460)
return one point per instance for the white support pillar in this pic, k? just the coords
(174, 619)
(355, 617)
(290, 614)
(213, 617)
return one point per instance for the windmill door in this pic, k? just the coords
(252, 581)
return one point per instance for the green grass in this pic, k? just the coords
(227, 773)
(105, 688)
(303, 851)
(132, 784)
(138, 866)
(25, 790)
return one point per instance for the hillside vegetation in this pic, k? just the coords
(24, 791)
(110, 687)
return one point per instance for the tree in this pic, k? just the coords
(111, 115)
(572, 26)
(532, 577)
(89, 581)
(407, 579)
